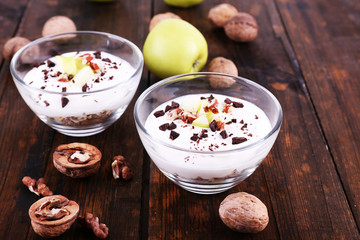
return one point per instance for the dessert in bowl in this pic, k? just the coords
(207, 139)
(78, 83)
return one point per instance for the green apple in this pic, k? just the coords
(83, 76)
(70, 65)
(182, 3)
(174, 47)
(201, 121)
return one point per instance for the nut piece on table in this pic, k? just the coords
(38, 187)
(242, 27)
(222, 65)
(53, 215)
(77, 160)
(13, 45)
(121, 169)
(161, 17)
(58, 24)
(99, 229)
(220, 14)
(244, 212)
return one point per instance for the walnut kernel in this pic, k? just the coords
(38, 187)
(58, 24)
(161, 17)
(222, 65)
(244, 212)
(121, 169)
(90, 221)
(220, 14)
(13, 45)
(242, 27)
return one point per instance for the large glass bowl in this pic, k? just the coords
(86, 113)
(212, 171)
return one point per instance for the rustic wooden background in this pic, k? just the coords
(307, 54)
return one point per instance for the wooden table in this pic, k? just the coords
(307, 54)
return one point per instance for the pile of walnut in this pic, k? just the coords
(244, 212)
(52, 215)
(54, 25)
(238, 26)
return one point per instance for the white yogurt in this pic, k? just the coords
(58, 100)
(209, 157)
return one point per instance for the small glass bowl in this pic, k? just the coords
(86, 113)
(206, 175)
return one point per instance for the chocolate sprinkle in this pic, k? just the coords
(159, 113)
(64, 101)
(237, 105)
(174, 135)
(172, 126)
(238, 140)
(224, 134)
(164, 127)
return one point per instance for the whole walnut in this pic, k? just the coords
(220, 14)
(244, 212)
(13, 45)
(58, 24)
(222, 65)
(242, 27)
(161, 17)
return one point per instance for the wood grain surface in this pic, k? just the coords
(307, 54)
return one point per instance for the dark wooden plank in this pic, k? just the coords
(27, 144)
(328, 50)
(297, 181)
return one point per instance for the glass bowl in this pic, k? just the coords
(78, 113)
(206, 171)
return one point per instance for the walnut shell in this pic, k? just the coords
(242, 27)
(222, 65)
(53, 228)
(244, 212)
(221, 14)
(161, 17)
(13, 45)
(79, 169)
(58, 24)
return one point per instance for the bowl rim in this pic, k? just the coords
(18, 79)
(141, 98)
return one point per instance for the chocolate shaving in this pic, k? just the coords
(63, 89)
(223, 134)
(106, 60)
(97, 54)
(213, 126)
(203, 134)
(244, 126)
(164, 127)
(172, 126)
(167, 108)
(238, 140)
(70, 76)
(211, 97)
(50, 63)
(227, 101)
(237, 105)
(159, 113)
(64, 101)
(38, 64)
(195, 137)
(174, 135)
(174, 105)
(46, 103)
(85, 87)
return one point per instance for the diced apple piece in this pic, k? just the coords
(203, 103)
(83, 76)
(201, 121)
(209, 115)
(70, 65)
(190, 106)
